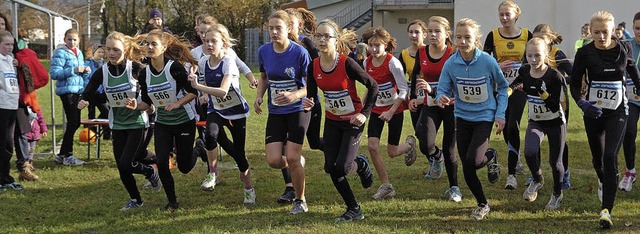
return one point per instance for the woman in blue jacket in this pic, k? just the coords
(67, 68)
(471, 75)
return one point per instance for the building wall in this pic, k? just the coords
(566, 16)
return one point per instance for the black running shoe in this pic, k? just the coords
(172, 206)
(364, 171)
(288, 196)
(493, 168)
(350, 215)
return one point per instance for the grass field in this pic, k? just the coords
(87, 199)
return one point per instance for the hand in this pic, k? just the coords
(193, 79)
(358, 119)
(256, 105)
(82, 104)
(413, 105)
(386, 116)
(87, 69)
(172, 106)
(422, 84)
(253, 83)
(285, 97)
(131, 104)
(589, 109)
(444, 101)
(203, 99)
(307, 103)
(499, 125)
(506, 66)
(15, 62)
(80, 69)
(43, 134)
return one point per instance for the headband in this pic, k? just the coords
(330, 26)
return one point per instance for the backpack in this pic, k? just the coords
(31, 70)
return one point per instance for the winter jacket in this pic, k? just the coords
(38, 126)
(63, 65)
(94, 65)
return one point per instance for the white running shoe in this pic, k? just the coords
(249, 197)
(384, 191)
(454, 194)
(512, 183)
(554, 202)
(210, 181)
(531, 193)
(72, 161)
(480, 211)
(627, 181)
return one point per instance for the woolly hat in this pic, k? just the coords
(96, 47)
(155, 13)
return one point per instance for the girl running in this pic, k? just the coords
(543, 86)
(386, 70)
(429, 62)
(227, 106)
(283, 69)
(629, 142)
(165, 85)
(119, 78)
(507, 44)
(416, 31)
(473, 75)
(335, 74)
(605, 105)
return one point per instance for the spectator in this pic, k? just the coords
(155, 21)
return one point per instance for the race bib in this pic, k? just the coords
(162, 94)
(386, 94)
(431, 100)
(513, 73)
(11, 83)
(472, 90)
(538, 110)
(226, 102)
(118, 95)
(277, 87)
(632, 92)
(338, 102)
(606, 94)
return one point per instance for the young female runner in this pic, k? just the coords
(389, 106)
(605, 104)
(417, 32)
(473, 75)
(345, 114)
(429, 62)
(119, 78)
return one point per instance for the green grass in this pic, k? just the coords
(87, 199)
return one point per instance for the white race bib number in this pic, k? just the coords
(538, 110)
(277, 87)
(338, 102)
(118, 95)
(162, 94)
(431, 100)
(606, 94)
(386, 94)
(11, 83)
(513, 73)
(472, 90)
(226, 102)
(632, 92)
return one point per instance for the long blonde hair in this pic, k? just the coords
(512, 5)
(224, 35)
(132, 49)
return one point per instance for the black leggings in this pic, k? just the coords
(339, 159)
(7, 124)
(557, 137)
(70, 106)
(629, 143)
(127, 147)
(515, 109)
(374, 129)
(473, 140)
(313, 131)
(428, 125)
(183, 136)
(415, 116)
(605, 138)
(215, 124)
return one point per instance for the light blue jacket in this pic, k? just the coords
(94, 65)
(63, 64)
(481, 65)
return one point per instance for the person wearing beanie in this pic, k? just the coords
(156, 21)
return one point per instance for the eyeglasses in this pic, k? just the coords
(323, 36)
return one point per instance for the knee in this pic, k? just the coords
(275, 162)
(293, 161)
(373, 147)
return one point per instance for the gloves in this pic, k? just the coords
(589, 110)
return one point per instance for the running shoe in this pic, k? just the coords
(384, 191)
(554, 202)
(2, 188)
(512, 183)
(133, 203)
(493, 168)
(172, 206)
(13, 186)
(72, 161)
(210, 181)
(410, 155)
(299, 206)
(365, 173)
(58, 159)
(436, 167)
(566, 180)
(432, 161)
(528, 181)
(605, 219)
(454, 194)
(154, 179)
(480, 211)
(249, 197)
(350, 215)
(627, 181)
(288, 195)
(519, 167)
(531, 193)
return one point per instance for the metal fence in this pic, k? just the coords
(254, 38)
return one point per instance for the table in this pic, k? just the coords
(98, 123)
